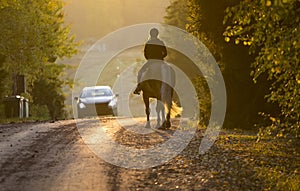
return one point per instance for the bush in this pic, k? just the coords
(39, 112)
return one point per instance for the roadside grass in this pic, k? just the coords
(36, 113)
(22, 120)
(276, 162)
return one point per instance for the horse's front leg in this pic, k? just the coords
(147, 110)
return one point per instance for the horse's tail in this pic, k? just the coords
(175, 110)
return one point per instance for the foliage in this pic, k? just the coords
(7, 3)
(40, 112)
(176, 14)
(204, 19)
(279, 179)
(202, 89)
(33, 36)
(195, 27)
(3, 78)
(272, 161)
(272, 33)
(47, 90)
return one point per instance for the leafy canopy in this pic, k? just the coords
(272, 31)
(32, 33)
(33, 36)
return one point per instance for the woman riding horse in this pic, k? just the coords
(155, 51)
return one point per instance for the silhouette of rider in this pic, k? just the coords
(154, 49)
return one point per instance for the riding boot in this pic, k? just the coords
(137, 90)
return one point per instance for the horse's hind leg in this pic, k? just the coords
(160, 109)
(147, 110)
(167, 122)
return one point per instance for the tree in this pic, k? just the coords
(204, 25)
(205, 21)
(271, 30)
(177, 13)
(33, 35)
(47, 90)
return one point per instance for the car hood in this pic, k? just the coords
(93, 100)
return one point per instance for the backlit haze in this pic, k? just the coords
(92, 19)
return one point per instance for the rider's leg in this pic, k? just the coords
(137, 89)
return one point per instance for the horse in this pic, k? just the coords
(157, 80)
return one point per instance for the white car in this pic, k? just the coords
(96, 100)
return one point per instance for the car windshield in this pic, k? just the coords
(96, 93)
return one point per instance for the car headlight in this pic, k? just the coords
(112, 103)
(82, 106)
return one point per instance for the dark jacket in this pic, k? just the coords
(155, 49)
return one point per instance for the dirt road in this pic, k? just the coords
(54, 156)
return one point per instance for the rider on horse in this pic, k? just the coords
(155, 49)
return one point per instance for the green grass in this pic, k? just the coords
(21, 120)
(276, 161)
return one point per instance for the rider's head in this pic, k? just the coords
(154, 33)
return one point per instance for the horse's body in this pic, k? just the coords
(158, 82)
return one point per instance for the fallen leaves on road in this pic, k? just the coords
(55, 156)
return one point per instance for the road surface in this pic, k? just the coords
(53, 156)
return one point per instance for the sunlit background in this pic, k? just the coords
(91, 20)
